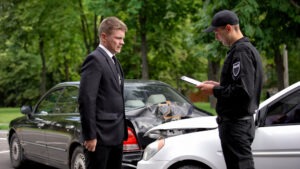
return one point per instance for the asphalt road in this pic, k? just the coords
(4, 156)
(4, 151)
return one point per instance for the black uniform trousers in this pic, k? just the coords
(236, 138)
(105, 157)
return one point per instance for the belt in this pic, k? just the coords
(220, 119)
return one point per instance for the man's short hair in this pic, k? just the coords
(111, 23)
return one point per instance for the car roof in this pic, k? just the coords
(127, 81)
(279, 94)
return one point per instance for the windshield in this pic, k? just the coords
(137, 96)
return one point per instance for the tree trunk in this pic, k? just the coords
(44, 68)
(84, 28)
(145, 71)
(213, 70)
(213, 74)
(66, 66)
(286, 67)
(278, 59)
(96, 39)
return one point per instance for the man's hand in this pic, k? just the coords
(90, 145)
(212, 82)
(206, 87)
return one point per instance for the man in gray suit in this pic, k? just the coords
(101, 101)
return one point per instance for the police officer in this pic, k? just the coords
(238, 92)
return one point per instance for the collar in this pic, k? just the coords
(243, 39)
(106, 50)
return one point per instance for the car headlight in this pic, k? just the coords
(153, 148)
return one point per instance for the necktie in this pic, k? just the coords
(116, 63)
(114, 58)
(117, 68)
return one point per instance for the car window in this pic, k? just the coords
(48, 104)
(285, 112)
(62, 100)
(67, 102)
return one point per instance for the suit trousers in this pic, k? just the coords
(104, 157)
(236, 138)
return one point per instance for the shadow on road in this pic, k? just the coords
(34, 165)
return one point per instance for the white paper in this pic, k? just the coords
(190, 80)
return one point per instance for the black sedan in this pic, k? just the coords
(50, 132)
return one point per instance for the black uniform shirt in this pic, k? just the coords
(241, 81)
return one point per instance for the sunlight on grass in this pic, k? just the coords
(8, 114)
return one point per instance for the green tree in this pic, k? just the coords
(279, 26)
(45, 42)
(45, 32)
(269, 25)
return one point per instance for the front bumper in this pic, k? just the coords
(128, 166)
(130, 159)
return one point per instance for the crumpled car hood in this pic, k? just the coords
(207, 122)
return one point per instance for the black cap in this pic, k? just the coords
(223, 18)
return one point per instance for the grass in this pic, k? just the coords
(8, 114)
(205, 106)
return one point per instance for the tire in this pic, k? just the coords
(78, 159)
(16, 152)
(190, 166)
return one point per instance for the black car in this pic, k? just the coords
(50, 132)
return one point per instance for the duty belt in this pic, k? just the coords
(220, 119)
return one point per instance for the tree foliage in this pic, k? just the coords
(45, 42)
(269, 25)
(279, 26)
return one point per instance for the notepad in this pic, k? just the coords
(190, 80)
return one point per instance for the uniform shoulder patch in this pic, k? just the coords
(236, 67)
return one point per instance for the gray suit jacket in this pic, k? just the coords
(101, 101)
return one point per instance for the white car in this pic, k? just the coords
(194, 143)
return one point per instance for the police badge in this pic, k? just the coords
(236, 67)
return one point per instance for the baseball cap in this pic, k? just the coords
(222, 18)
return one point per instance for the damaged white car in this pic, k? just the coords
(194, 143)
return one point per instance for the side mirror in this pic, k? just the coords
(256, 117)
(260, 117)
(26, 110)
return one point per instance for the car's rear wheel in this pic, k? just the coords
(78, 159)
(16, 152)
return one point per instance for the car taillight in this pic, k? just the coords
(131, 144)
